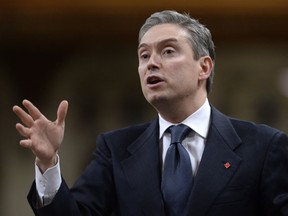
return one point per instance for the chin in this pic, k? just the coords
(157, 100)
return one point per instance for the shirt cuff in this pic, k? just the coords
(48, 183)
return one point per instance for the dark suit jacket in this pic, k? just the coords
(125, 176)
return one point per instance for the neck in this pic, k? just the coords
(176, 113)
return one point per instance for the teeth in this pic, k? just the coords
(153, 80)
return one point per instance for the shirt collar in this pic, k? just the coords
(198, 121)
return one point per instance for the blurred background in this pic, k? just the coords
(85, 52)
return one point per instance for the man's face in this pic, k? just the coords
(168, 72)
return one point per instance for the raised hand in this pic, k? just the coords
(42, 136)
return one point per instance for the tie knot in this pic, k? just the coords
(179, 132)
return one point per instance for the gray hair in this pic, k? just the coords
(200, 36)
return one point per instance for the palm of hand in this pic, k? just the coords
(46, 138)
(41, 135)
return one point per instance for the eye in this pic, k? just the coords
(168, 51)
(144, 56)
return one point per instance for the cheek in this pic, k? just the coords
(180, 72)
(140, 69)
(185, 77)
(141, 75)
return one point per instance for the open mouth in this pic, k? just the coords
(152, 80)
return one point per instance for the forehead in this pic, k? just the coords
(163, 32)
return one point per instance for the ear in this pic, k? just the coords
(206, 65)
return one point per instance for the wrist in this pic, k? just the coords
(44, 165)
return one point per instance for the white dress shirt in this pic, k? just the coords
(48, 183)
(194, 143)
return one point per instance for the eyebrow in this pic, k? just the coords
(158, 42)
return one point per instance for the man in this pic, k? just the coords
(234, 167)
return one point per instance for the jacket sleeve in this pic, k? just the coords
(274, 181)
(92, 194)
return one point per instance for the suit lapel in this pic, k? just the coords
(143, 170)
(218, 164)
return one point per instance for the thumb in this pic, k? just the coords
(62, 112)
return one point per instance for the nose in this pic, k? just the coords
(154, 62)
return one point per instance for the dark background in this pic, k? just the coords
(85, 52)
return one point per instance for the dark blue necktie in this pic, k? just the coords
(177, 177)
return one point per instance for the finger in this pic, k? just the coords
(62, 112)
(23, 116)
(27, 143)
(23, 131)
(33, 111)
